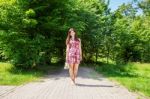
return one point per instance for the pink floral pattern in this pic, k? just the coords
(73, 52)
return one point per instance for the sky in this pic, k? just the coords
(115, 3)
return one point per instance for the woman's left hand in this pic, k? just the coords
(80, 58)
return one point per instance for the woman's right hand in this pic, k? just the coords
(66, 58)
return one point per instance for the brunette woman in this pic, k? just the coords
(73, 53)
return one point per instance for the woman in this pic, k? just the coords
(73, 53)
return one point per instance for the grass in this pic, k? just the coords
(134, 76)
(12, 76)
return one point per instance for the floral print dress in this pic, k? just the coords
(73, 52)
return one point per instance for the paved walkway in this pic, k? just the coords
(90, 85)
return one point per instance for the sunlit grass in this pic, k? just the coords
(11, 76)
(16, 77)
(135, 76)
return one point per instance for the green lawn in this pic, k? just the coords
(134, 76)
(11, 76)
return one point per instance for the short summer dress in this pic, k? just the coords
(73, 52)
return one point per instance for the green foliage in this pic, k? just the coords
(29, 22)
(144, 5)
(30, 13)
(34, 32)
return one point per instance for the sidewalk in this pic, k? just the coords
(90, 85)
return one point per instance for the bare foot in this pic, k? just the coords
(74, 82)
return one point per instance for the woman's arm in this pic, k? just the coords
(80, 49)
(67, 49)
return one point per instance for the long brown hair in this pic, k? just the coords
(69, 36)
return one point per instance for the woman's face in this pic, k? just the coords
(72, 33)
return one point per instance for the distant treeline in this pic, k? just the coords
(33, 32)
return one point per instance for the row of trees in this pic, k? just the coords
(33, 32)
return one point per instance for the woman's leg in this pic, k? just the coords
(71, 71)
(75, 70)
